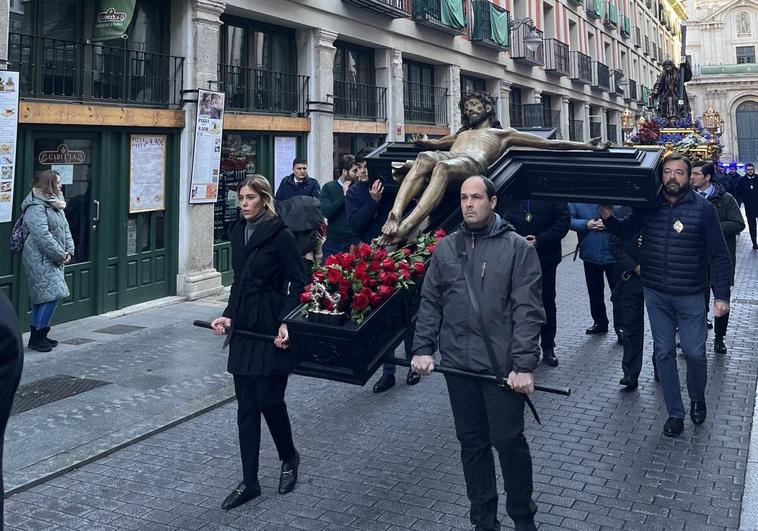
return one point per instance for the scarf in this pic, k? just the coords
(250, 226)
(57, 202)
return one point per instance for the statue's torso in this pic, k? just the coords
(481, 144)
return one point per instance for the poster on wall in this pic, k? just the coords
(8, 133)
(147, 173)
(206, 158)
(285, 151)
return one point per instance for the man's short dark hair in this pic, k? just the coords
(749, 164)
(360, 158)
(488, 185)
(708, 168)
(299, 161)
(678, 156)
(347, 162)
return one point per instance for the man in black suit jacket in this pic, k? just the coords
(11, 362)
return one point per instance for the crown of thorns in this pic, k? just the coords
(481, 95)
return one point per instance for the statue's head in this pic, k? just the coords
(668, 65)
(476, 108)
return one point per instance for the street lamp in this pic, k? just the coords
(712, 121)
(627, 125)
(533, 40)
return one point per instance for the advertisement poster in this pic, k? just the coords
(8, 129)
(66, 172)
(206, 159)
(147, 173)
(285, 151)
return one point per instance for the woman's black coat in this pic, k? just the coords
(269, 276)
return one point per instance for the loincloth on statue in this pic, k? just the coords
(467, 166)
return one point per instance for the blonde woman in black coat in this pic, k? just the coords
(268, 279)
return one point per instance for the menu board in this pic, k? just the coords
(285, 151)
(8, 130)
(147, 173)
(206, 158)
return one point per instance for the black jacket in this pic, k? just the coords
(506, 274)
(365, 215)
(730, 217)
(747, 193)
(291, 187)
(259, 299)
(626, 251)
(548, 221)
(680, 242)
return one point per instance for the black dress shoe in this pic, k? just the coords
(288, 477)
(718, 346)
(629, 383)
(755, 246)
(596, 329)
(240, 495)
(387, 381)
(524, 525)
(412, 378)
(673, 427)
(548, 357)
(697, 412)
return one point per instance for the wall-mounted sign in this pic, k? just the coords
(62, 155)
(147, 173)
(8, 130)
(285, 151)
(206, 157)
(112, 19)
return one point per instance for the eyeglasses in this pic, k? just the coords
(678, 173)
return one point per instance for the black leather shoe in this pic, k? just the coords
(697, 412)
(387, 381)
(673, 427)
(288, 477)
(596, 329)
(718, 346)
(242, 494)
(412, 378)
(525, 525)
(629, 383)
(755, 246)
(548, 357)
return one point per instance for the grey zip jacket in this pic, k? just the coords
(505, 272)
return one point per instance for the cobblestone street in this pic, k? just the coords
(391, 462)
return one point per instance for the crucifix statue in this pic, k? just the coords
(470, 151)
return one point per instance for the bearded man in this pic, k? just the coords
(470, 151)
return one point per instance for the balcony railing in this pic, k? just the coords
(596, 129)
(429, 13)
(594, 8)
(263, 91)
(637, 37)
(425, 104)
(631, 91)
(612, 133)
(359, 101)
(576, 130)
(556, 57)
(390, 8)
(610, 15)
(534, 115)
(79, 71)
(581, 68)
(489, 31)
(601, 76)
(519, 50)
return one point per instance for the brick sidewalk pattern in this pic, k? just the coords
(391, 461)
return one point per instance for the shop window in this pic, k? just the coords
(239, 158)
(354, 64)
(745, 55)
(472, 84)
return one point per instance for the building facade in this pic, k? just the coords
(315, 78)
(722, 37)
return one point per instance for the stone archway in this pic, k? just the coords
(747, 131)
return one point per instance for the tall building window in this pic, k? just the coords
(745, 54)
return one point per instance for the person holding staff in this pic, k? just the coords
(268, 279)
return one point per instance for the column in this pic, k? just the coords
(197, 276)
(389, 73)
(504, 102)
(604, 123)
(449, 76)
(565, 118)
(316, 59)
(586, 128)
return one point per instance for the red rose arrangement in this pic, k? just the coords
(367, 275)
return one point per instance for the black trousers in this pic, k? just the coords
(486, 416)
(593, 274)
(751, 217)
(256, 396)
(548, 301)
(632, 299)
(720, 324)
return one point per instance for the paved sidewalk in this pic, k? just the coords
(390, 462)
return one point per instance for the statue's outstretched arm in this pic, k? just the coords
(515, 138)
(442, 144)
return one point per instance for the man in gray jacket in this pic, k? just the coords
(504, 272)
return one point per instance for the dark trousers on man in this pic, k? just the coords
(720, 324)
(751, 217)
(486, 416)
(548, 301)
(593, 274)
(630, 295)
(256, 396)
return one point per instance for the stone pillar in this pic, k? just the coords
(565, 118)
(389, 73)
(315, 58)
(449, 76)
(504, 107)
(586, 128)
(197, 277)
(604, 122)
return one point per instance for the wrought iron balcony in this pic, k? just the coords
(257, 90)
(610, 15)
(359, 101)
(601, 76)
(581, 67)
(483, 32)
(389, 8)
(425, 104)
(576, 130)
(534, 115)
(520, 52)
(429, 13)
(631, 91)
(79, 71)
(596, 129)
(556, 57)
(594, 8)
(637, 37)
